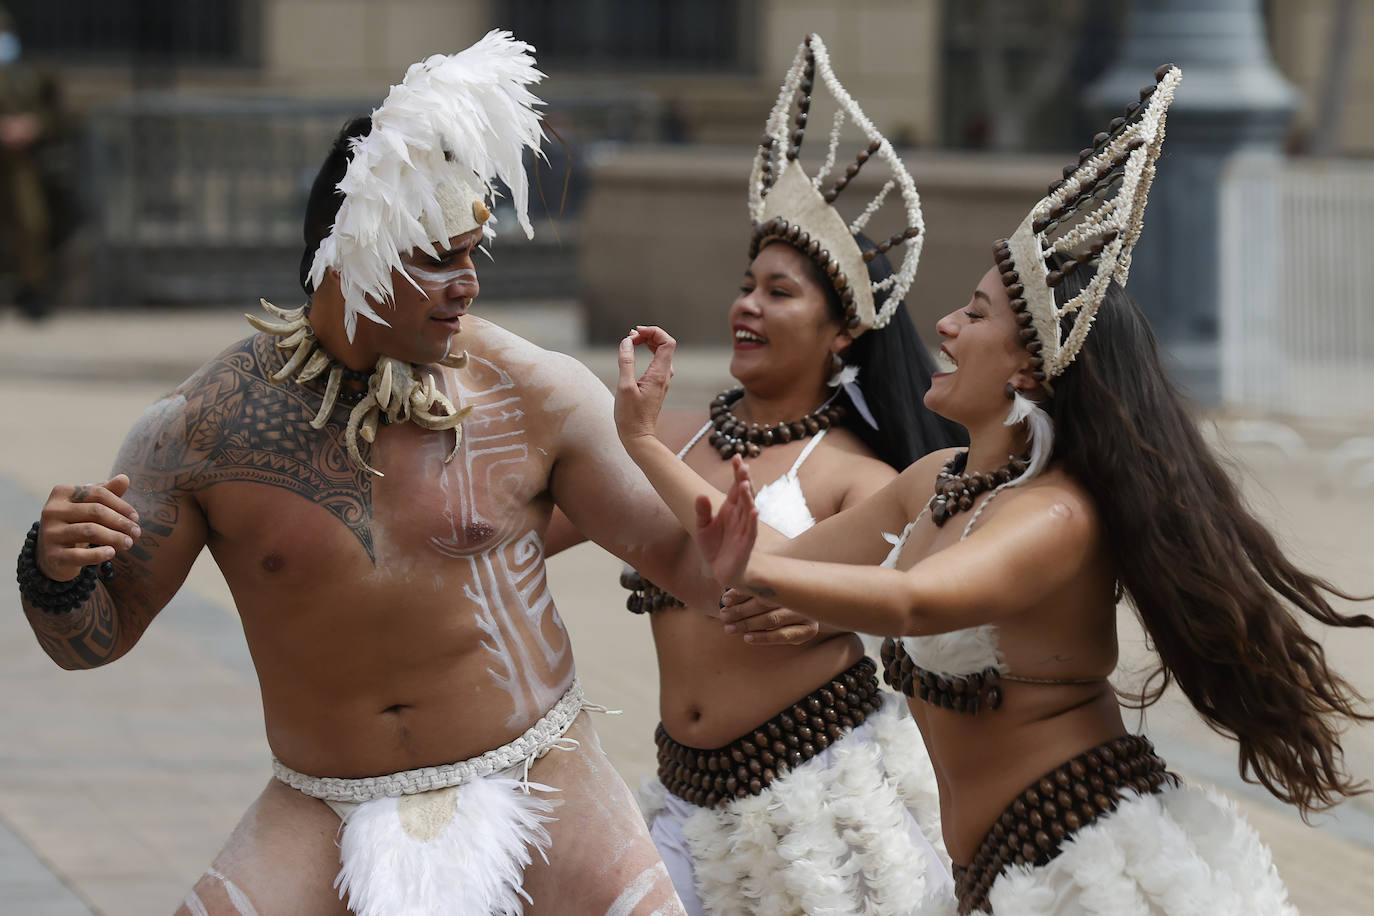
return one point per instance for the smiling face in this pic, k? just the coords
(981, 352)
(429, 298)
(783, 328)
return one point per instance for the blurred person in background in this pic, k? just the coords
(32, 216)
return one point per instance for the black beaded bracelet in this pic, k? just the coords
(49, 595)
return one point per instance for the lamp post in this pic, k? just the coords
(1232, 99)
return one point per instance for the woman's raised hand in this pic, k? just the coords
(639, 401)
(726, 539)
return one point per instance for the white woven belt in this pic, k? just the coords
(534, 743)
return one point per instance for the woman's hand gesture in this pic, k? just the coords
(639, 401)
(726, 539)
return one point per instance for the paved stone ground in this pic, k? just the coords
(117, 786)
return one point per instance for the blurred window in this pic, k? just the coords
(632, 34)
(155, 31)
(1013, 72)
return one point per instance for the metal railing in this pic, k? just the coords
(197, 198)
(1297, 288)
(201, 199)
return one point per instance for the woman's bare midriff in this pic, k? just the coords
(714, 687)
(984, 761)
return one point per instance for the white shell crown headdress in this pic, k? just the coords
(788, 205)
(424, 173)
(1101, 232)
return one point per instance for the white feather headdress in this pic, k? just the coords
(1080, 217)
(787, 204)
(424, 172)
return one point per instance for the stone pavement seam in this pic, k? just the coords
(22, 867)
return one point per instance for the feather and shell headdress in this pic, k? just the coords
(424, 172)
(1080, 218)
(787, 204)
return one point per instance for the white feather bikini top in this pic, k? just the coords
(956, 654)
(781, 503)
(962, 670)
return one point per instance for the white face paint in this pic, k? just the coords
(525, 639)
(437, 278)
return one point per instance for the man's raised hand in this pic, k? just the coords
(85, 525)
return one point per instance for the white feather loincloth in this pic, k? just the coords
(461, 850)
(855, 829)
(1184, 850)
(451, 840)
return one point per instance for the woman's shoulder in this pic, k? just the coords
(842, 449)
(677, 427)
(1055, 502)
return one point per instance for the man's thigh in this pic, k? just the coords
(281, 858)
(602, 861)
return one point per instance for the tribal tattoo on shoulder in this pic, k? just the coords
(229, 423)
(237, 426)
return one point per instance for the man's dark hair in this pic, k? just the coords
(325, 198)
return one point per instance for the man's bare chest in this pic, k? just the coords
(259, 457)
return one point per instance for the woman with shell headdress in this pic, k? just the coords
(1085, 481)
(788, 781)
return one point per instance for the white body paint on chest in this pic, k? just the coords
(508, 587)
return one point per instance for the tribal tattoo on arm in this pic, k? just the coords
(227, 424)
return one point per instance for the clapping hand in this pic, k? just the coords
(726, 538)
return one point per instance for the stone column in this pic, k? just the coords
(1232, 99)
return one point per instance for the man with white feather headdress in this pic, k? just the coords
(375, 488)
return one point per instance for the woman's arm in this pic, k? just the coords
(675, 429)
(638, 403)
(854, 535)
(1034, 546)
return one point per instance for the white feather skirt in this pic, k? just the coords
(1184, 850)
(854, 830)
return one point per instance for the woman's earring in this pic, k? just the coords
(1011, 391)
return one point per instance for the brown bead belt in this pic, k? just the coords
(746, 766)
(966, 694)
(1063, 801)
(645, 597)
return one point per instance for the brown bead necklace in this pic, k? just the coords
(732, 436)
(955, 490)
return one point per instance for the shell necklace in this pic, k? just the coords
(395, 393)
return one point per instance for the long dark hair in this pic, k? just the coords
(1211, 585)
(322, 206)
(895, 368)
